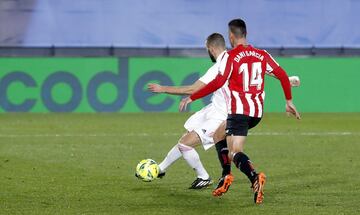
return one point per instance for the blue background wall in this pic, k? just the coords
(186, 23)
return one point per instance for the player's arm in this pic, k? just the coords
(285, 84)
(181, 90)
(280, 74)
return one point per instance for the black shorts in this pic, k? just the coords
(239, 124)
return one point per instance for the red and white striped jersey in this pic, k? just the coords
(244, 67)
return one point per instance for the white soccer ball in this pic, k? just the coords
(147, 170)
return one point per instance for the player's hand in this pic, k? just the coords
(294, 81)
(155, 88)
(184, 102)
(291, 109)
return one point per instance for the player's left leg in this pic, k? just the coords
(204, 133)
(238, 130)
(242, 161)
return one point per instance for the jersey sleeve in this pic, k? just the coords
(210, 74)
(223, 63)
(273, 67)
(284, 80)
(271, 64)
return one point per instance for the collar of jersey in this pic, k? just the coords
(218, 59)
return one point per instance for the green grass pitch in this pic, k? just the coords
(84, 164)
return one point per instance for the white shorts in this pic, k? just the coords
(204, 123)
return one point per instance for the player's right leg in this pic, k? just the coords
(186, 146)
(222, 149)
(202, 126)
(226, 178)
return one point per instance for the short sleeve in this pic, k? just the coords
(210, 74)
(223, 64)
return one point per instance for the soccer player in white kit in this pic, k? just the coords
(202, 125)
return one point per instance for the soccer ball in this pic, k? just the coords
(147, 170)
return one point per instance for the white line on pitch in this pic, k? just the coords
(344, 133)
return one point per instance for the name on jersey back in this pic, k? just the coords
(248, 54)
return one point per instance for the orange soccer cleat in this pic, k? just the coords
(223, 185)
(258, 188)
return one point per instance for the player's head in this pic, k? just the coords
(237, 30)
(215, 44)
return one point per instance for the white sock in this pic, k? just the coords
(173, 155)
(193, 159)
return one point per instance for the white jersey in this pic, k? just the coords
(205, 121)
(220, 98)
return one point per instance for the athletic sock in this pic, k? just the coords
(223, 155)
(243, 162)
(173, 155)
(193, 159)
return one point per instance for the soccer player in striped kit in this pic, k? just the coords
(243, 69)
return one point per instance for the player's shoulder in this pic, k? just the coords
(263, 51)
(240, 48)
(231, 54)
(214, 67)
(233, 51)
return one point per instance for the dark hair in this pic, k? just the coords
(215, 40)
(238, 27)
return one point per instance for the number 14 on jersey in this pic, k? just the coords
(254, 78)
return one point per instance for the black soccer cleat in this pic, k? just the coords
(161, 175)
(200, 183)
(137, 176)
